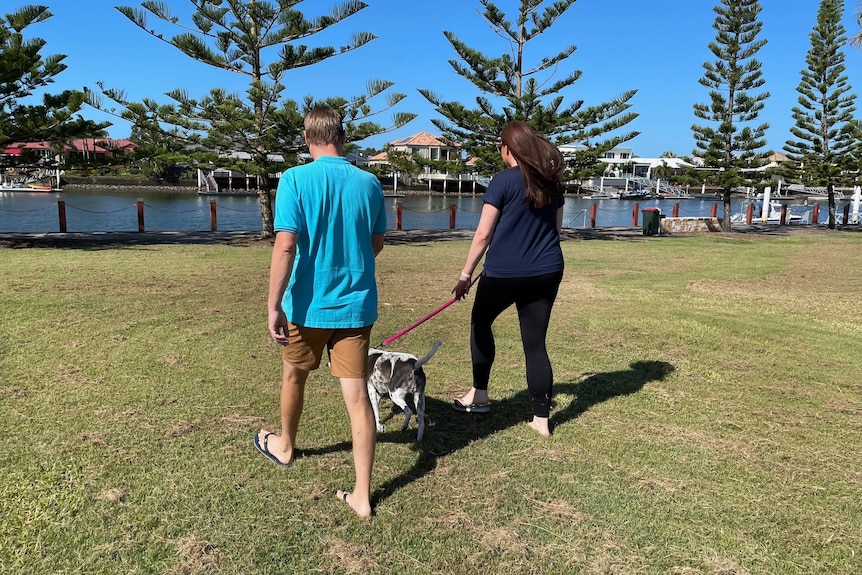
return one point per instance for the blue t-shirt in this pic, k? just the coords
(334, 208)
(526, 242)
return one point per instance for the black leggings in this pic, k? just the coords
(533, 297)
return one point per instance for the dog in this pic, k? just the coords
(396, 375)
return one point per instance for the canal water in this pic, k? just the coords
(117, 211)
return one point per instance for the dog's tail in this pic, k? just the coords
(427, 356)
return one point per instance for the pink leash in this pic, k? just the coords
(426, 318)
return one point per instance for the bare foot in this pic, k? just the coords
(272, 447)
(540, 425)
(475, 396)
(363, 510)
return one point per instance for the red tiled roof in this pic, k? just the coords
(30, 146)
(421, 139)
(86, 144)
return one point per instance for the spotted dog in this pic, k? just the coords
(396, 375)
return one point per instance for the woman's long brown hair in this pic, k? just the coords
(540, 161)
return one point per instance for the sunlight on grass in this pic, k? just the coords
(707, 418)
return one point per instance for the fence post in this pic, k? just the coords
(635, 215)
(140, 214)
(815, 215)
(61, 212)
(676, 210)
(593, 216)
(399, 209)
(846, 214)
(783, 219)
(749, 214)
(452, 209)
(213, 216)
(714, 211)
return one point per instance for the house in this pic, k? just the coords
(422, 145)
(88, 148)
(428, 146)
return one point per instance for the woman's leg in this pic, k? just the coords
(493, 296)
(534, 315)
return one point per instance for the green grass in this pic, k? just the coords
(707, 418)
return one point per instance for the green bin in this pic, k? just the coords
(651, 221)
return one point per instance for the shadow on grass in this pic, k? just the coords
(448, 431)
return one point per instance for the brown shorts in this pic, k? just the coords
(348, 349)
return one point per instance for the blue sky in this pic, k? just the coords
(657, 47)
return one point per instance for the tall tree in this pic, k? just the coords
(526, 92)
(856, 39)
(735, 143)
(825, 128)
(24, 71)
(258, 132)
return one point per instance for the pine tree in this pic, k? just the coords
(735, 143)
(513, 83)
(24, 71)
(249, 131)
(825, 129)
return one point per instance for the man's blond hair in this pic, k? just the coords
(323, 126)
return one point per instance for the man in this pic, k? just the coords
(330, 219)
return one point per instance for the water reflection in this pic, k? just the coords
(116, 210)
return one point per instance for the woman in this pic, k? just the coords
(520, 230)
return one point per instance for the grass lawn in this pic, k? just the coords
(708, 418)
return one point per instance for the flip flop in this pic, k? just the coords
(470, 408)
(266, 453)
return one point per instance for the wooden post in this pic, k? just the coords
(140, 214)
(713, 213)
(749, 214)
(593, 215)
(783, 219)
(213, 216)
(452, 209)
(61, 212)
(399, 210)
(846, 214)
(815, 215)
(635, 215)
(676, 210)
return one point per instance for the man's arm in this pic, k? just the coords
(280, 268)
(377, 243)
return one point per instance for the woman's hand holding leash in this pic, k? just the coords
(462, 288)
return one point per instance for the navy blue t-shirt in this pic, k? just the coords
(525, 242)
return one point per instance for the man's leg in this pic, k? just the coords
(292, 398)
(364, 433)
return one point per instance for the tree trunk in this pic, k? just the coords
(726, 223)
(264, 198)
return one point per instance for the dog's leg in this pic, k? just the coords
(419, 401)
(398, 397)
(374, 398)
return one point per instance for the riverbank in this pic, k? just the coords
(393, 237)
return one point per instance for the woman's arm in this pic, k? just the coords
(478, 247)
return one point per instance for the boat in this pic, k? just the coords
(634, 194)
(602, 193)
(773, 215)
(13, 187)
(29, 184)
